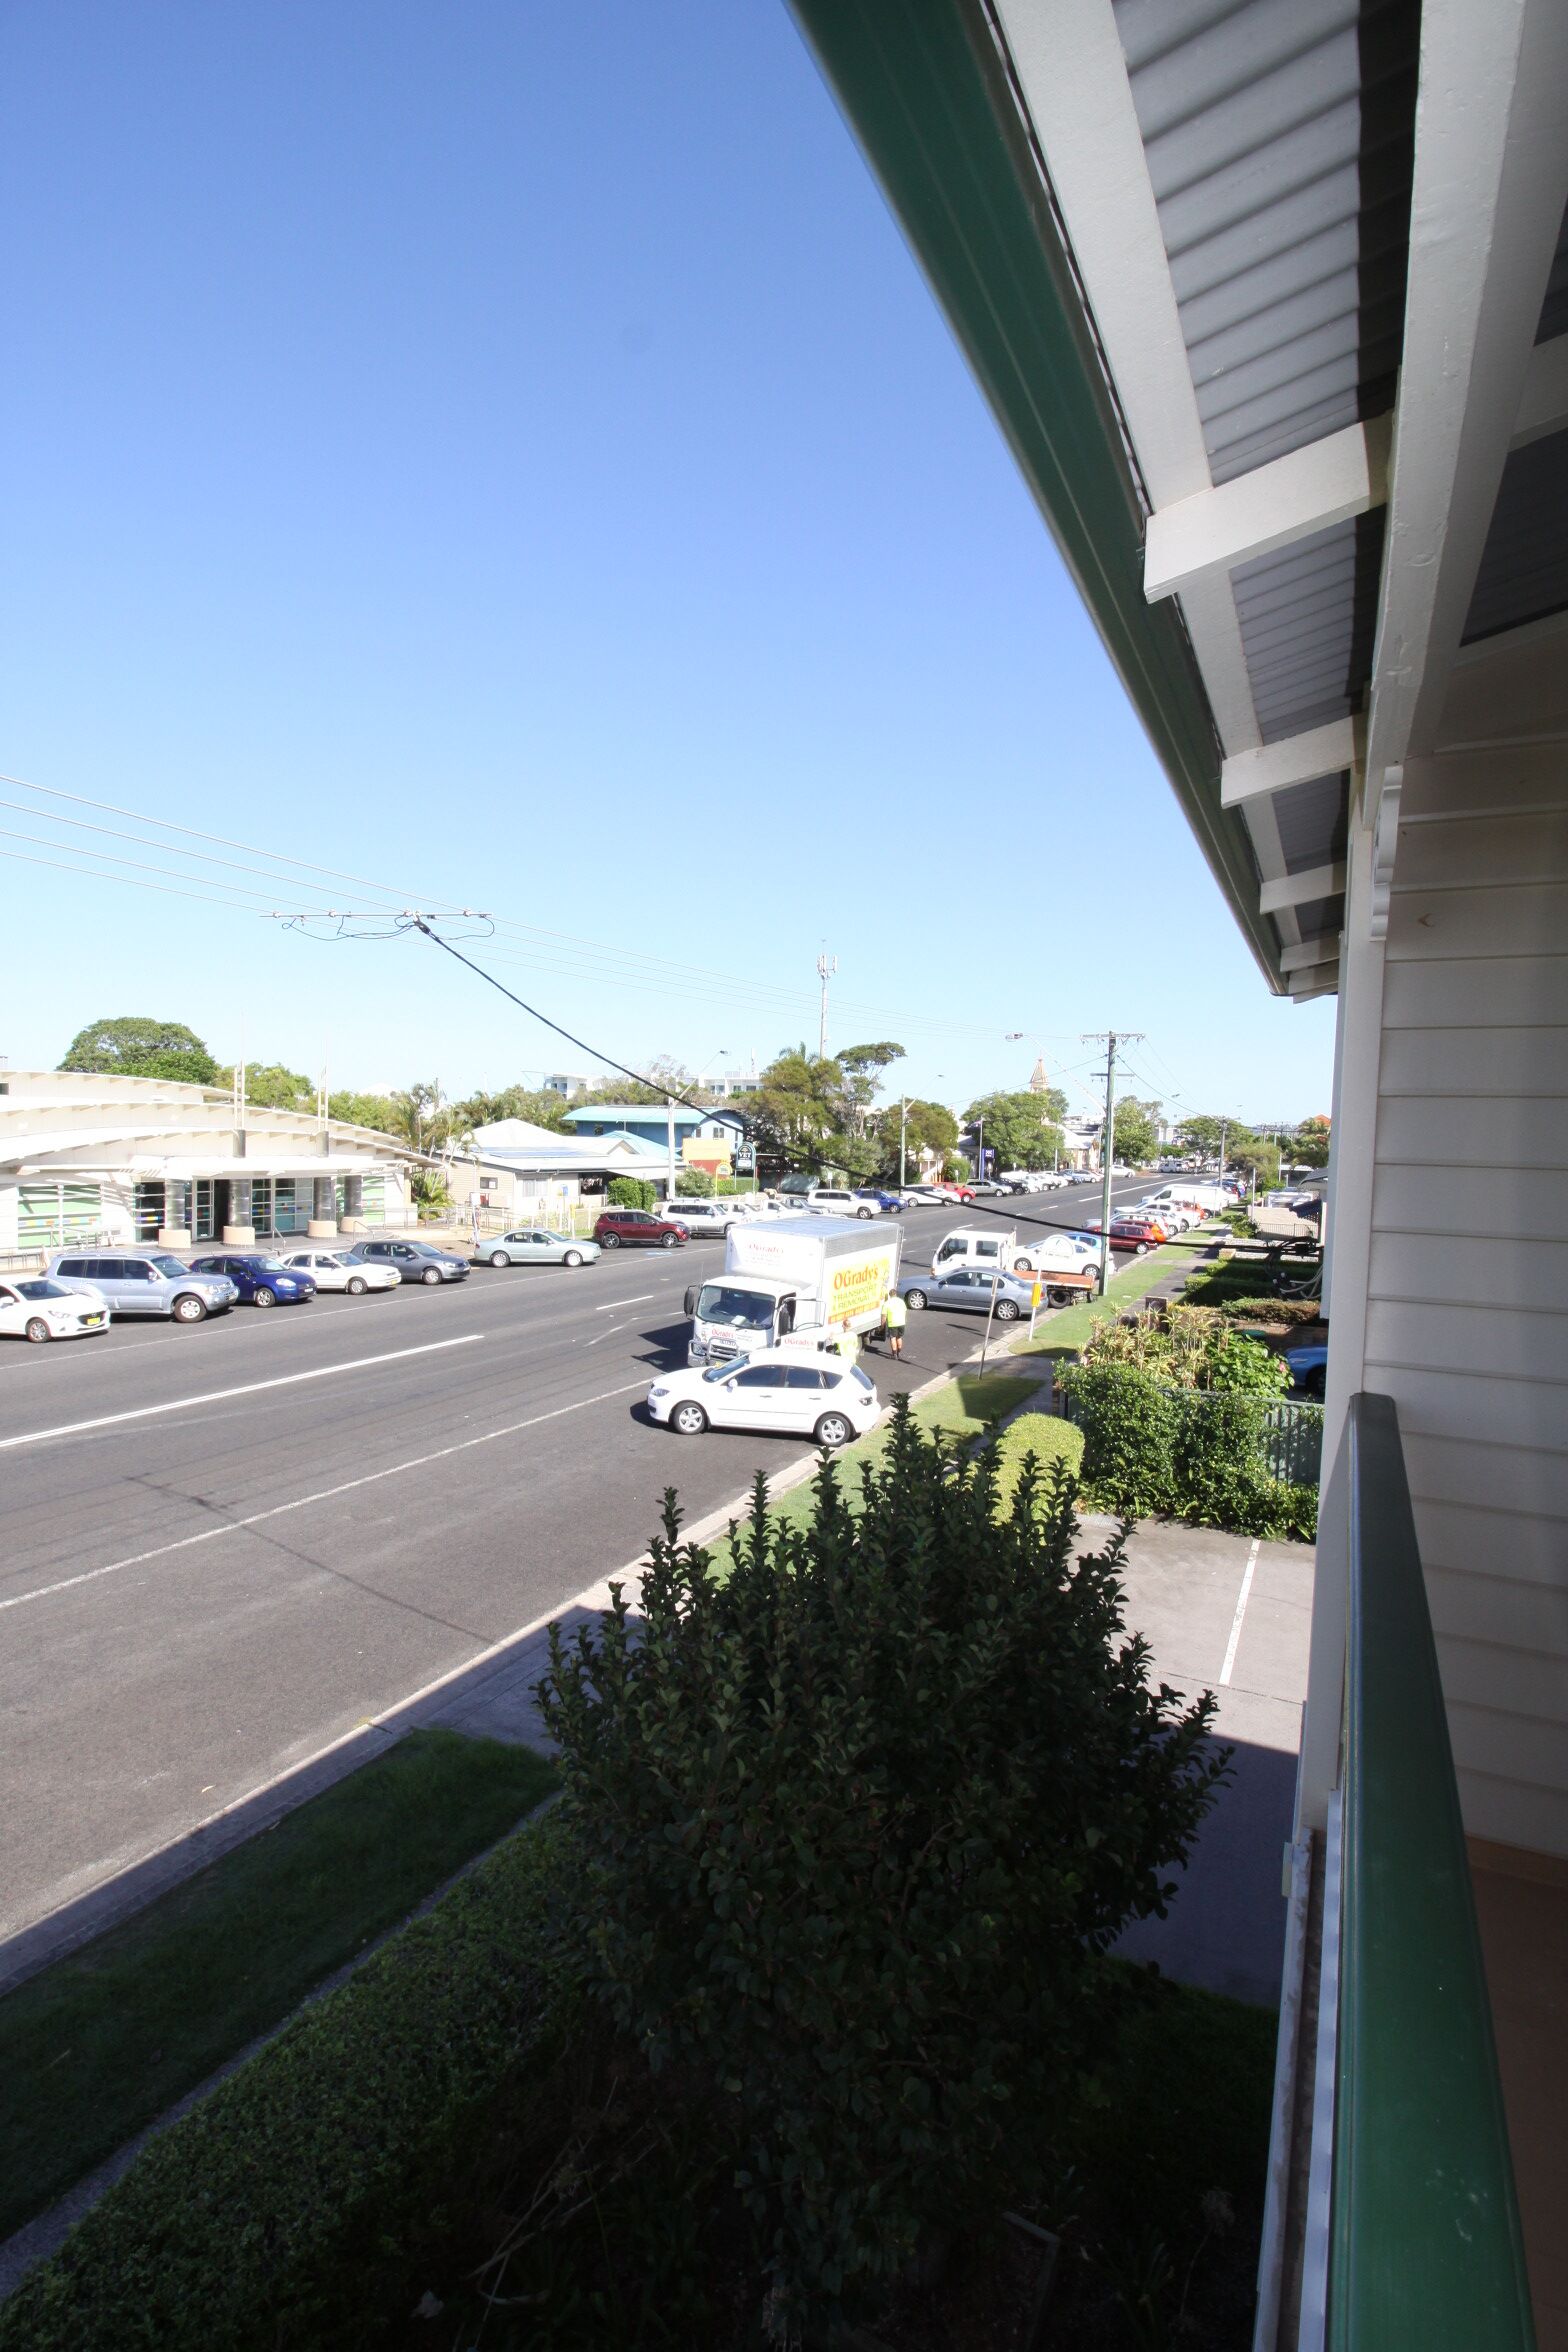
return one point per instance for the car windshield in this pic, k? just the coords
(743, 1310)
(170, 1266)
(718, 1372)
(267, 1265)
(44, 1290)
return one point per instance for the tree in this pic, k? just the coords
(378, 1111)
(665, 1074)
(271, 1087)
(540, 1106)
(1202, 1135)
(134, 1047)
(1135, 1136)
(1309, 1146)
(861, 1065)
(1257, 1153)
(929, 1127)
(1017, 1129)
(423, 1117)
(796, 1107)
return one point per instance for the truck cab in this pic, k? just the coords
(802, 1280)
(975, 1245)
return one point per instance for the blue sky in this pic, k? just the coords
(506, 453)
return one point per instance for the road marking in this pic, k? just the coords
(325, 1494)
(1241, 1610)
(219, 1396)
(638, 1298)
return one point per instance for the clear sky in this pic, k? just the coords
(505, 452)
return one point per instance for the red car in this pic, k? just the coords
(1135, 1234)
(638, 1229)
(960, 1192)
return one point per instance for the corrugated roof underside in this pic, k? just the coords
(1554, 310)
(1278, 136)
(1307, 615)
(1524, 565)
(1312, 821)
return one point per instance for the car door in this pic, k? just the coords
(128, 1285)
(13, 1311)
(756, 1398)
(961, 1289)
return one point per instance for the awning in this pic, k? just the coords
(259, 1164)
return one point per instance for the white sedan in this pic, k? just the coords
(331, 1271)
(34, 1307)
(1060, 1249)
(790, 1389)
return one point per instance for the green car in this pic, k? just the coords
(531, 1245)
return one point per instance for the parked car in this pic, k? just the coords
(1128, 1234)
(892, 1202)
(639, 1229)
(1054, 1249)
(411, 1261)
(260, 1281)
(1308, 1367)
(952, 1192)
(926, 1196)
(703, 1217)
(145, 1282)
(791, 1389)
(532, 1245)
(970, 1289)
(331, 1270)
(32, 1307)
(835, 1200)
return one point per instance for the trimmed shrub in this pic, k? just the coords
(630, 1192)
(846, 1833)
(1272, 1310)
(694, 1184)
(1049, 1440)
(291, 2205)
(1128, 1422)
(1186, 1453)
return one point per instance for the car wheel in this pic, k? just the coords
(1140, 1249)
(1060, 1297)
(833, 1430)
(499, 1258)
(688, 1420)
(264, 1297)
(1023, 1265)
(1311, 1388)
(188, 1308)
(1008, 1310)
(668, 1240)
(862, 1212)
(609, 1241)
(431, 1274)
(355, 1286)
(915, 1299)
(573, 1258)
(38, 1330)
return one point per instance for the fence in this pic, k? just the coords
(1290, 1434)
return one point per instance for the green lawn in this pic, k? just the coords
(971, 1403)
(1073, 1328)
(104, 2041)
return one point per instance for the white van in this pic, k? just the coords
(975, 1245)
(701, 1215)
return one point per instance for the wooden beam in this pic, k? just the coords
(1290, 498)
(1304, 953)
(1300, 759)
(1296, 889)
(1322, 980)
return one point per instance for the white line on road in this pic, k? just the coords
(323, 1494)
(639, 1298)
(219, 1396)
(1241, 1610)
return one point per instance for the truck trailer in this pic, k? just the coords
(793, 1280)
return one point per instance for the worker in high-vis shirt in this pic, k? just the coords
(894, 1316)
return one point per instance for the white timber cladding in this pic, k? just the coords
(1467, 1288)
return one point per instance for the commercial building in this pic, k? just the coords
(122, 1159)
(1271, 305)
(715, 1137)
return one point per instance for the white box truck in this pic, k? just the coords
(796, 1279)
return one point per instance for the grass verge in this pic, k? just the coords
(1073, 1328)
(971, 1403)
(106, 2040)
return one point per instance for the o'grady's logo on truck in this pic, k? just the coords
(856, 1289)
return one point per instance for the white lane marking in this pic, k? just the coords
(219, 1396)
(1241, 1610)
(324, 1494)
(608, 1332)
(181, 1339)
(638, 1298)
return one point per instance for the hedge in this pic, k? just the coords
(1271, 1310)
(292, 2205)
(1152, 1451)
(1048, 1438)
(630, 1192)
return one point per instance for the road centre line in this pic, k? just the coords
(219, 1396)
(1241, 1611)
(324, 1494)
(639, 1298)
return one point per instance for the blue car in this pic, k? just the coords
(893, 1202)
(260, 1281)
(1308, 1371)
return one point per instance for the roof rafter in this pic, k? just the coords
(1299, 759)
(1291, 498)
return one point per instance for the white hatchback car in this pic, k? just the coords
(790, 1389)
(330, 1270)
(32, 1307)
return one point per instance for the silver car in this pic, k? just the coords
(532, 1245)
(146, 1282)
(969, 1288)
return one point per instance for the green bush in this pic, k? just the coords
(1187, 1453)
(1272, 1310)
(630, 1192)
(1128, 1422)
(846, 1833)
(694, 1184)
(1050, 1441)
(291, 2205)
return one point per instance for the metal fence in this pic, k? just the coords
(1290, 1434)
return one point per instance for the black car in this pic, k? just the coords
(413, 1261)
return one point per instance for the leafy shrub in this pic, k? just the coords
(1190, 1453)
(847, 1831)
(289, 2205)
(630, 1192)
(1129, 1427)
(694, 1184)
(1272, 1310)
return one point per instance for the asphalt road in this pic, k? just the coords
(227, 1546)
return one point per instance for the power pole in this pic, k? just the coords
(826, 967)
(903, 1130)
(1110, 1039)
(1224, 1129)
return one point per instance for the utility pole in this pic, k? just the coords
(1224, 1129)
(826, 967)
(1110, 1039)
(903, 1129)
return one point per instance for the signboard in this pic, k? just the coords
(857, 1288)
(709, 1152)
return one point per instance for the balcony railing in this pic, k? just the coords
(1424, 2240)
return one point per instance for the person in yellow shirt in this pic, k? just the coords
(895, 1315)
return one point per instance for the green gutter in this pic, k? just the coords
(924, 90)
